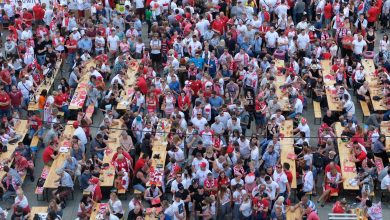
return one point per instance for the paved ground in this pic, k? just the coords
(70, 211)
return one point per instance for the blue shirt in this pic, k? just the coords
(270, 159)
(85, 44)
(175, 86)
(66, 180)
(198, 62)
(70, 165)
(216, 101)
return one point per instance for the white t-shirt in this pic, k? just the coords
(298, 107)
(25, 87)
(304, 128)
(385, 183)
(139, 4)
(178, 207)
(237, 196)
(271, 189)
(116, 206)
(303, 41)
(349, 107)
(202, 26)
(281, 180)
(234, 182)
(271, 39)
(358, 46)
(199, 123)
(113, 42)
(196, 162)
(79, 132)
(202, 175)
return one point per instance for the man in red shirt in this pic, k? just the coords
(39, 13)
(286, 169)
(50, 153)
(5, 75)
(23, 166)
(261, 205)
(142, 85)
(218, 25)
(27, 17)
(210, 185)
(141, 162)
(60, 101)
(328, 13)
(359, 154)
(16, 98)
(71, 45)
(5, 103)
(35, 124)
(372, 15)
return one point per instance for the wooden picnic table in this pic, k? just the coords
(328, 77)
(21, 128)
(59, 161)
(296, 214)
(374, 86)
(282, 94)
(107, 176)
(37, 210)
(348, 168)
(80, 93)
(287, 147)
(46, 84)
(130, 82)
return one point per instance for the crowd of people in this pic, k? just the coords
(210, 68)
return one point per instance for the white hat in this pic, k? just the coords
(74, 29)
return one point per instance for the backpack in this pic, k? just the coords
(318, 160)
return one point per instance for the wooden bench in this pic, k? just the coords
(39, 191)
(122, 193)
(317, 111)
(365, 109)
(343, 216)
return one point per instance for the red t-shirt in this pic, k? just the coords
(337, 208)
(4, 97)
(372, 14)
(289, 176)
(361, 156)
(36, 122)
(263, 203)
(196, 85)
(142, 85)
(71, 42)
(60, 99)
(28, 15)
(327, 168)
(328, 11)
(6, 76)
(16, 98)
(39, 13)
(139, 164)
(46, 155)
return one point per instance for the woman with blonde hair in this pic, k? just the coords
(115, 206)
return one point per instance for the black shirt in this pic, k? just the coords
(196, 150)
(198, 201)
(40, 46)
(329, 120)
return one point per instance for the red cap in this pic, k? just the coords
(17, 154)
(303, 121)
(203, 164)
(75, 124)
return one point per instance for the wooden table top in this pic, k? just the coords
(345, 154)
(374, 88)
(286, 146)
(282, 95)
(59, 161)
(33, 105)
(129, 86)
(294, 215)
(36, 210)
(108, 175)
(82, 88)
(334, 103)
(21, 128)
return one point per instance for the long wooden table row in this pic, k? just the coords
(374, 87)
(45, 85)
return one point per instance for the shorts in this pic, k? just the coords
(155, 57)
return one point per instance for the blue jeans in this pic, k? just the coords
(32, 132)
(100, 155)
(139, 187)
(4, 113)
(25, 101)
(41, 59)
(7, 196)
(70, 59)
(386, 116)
